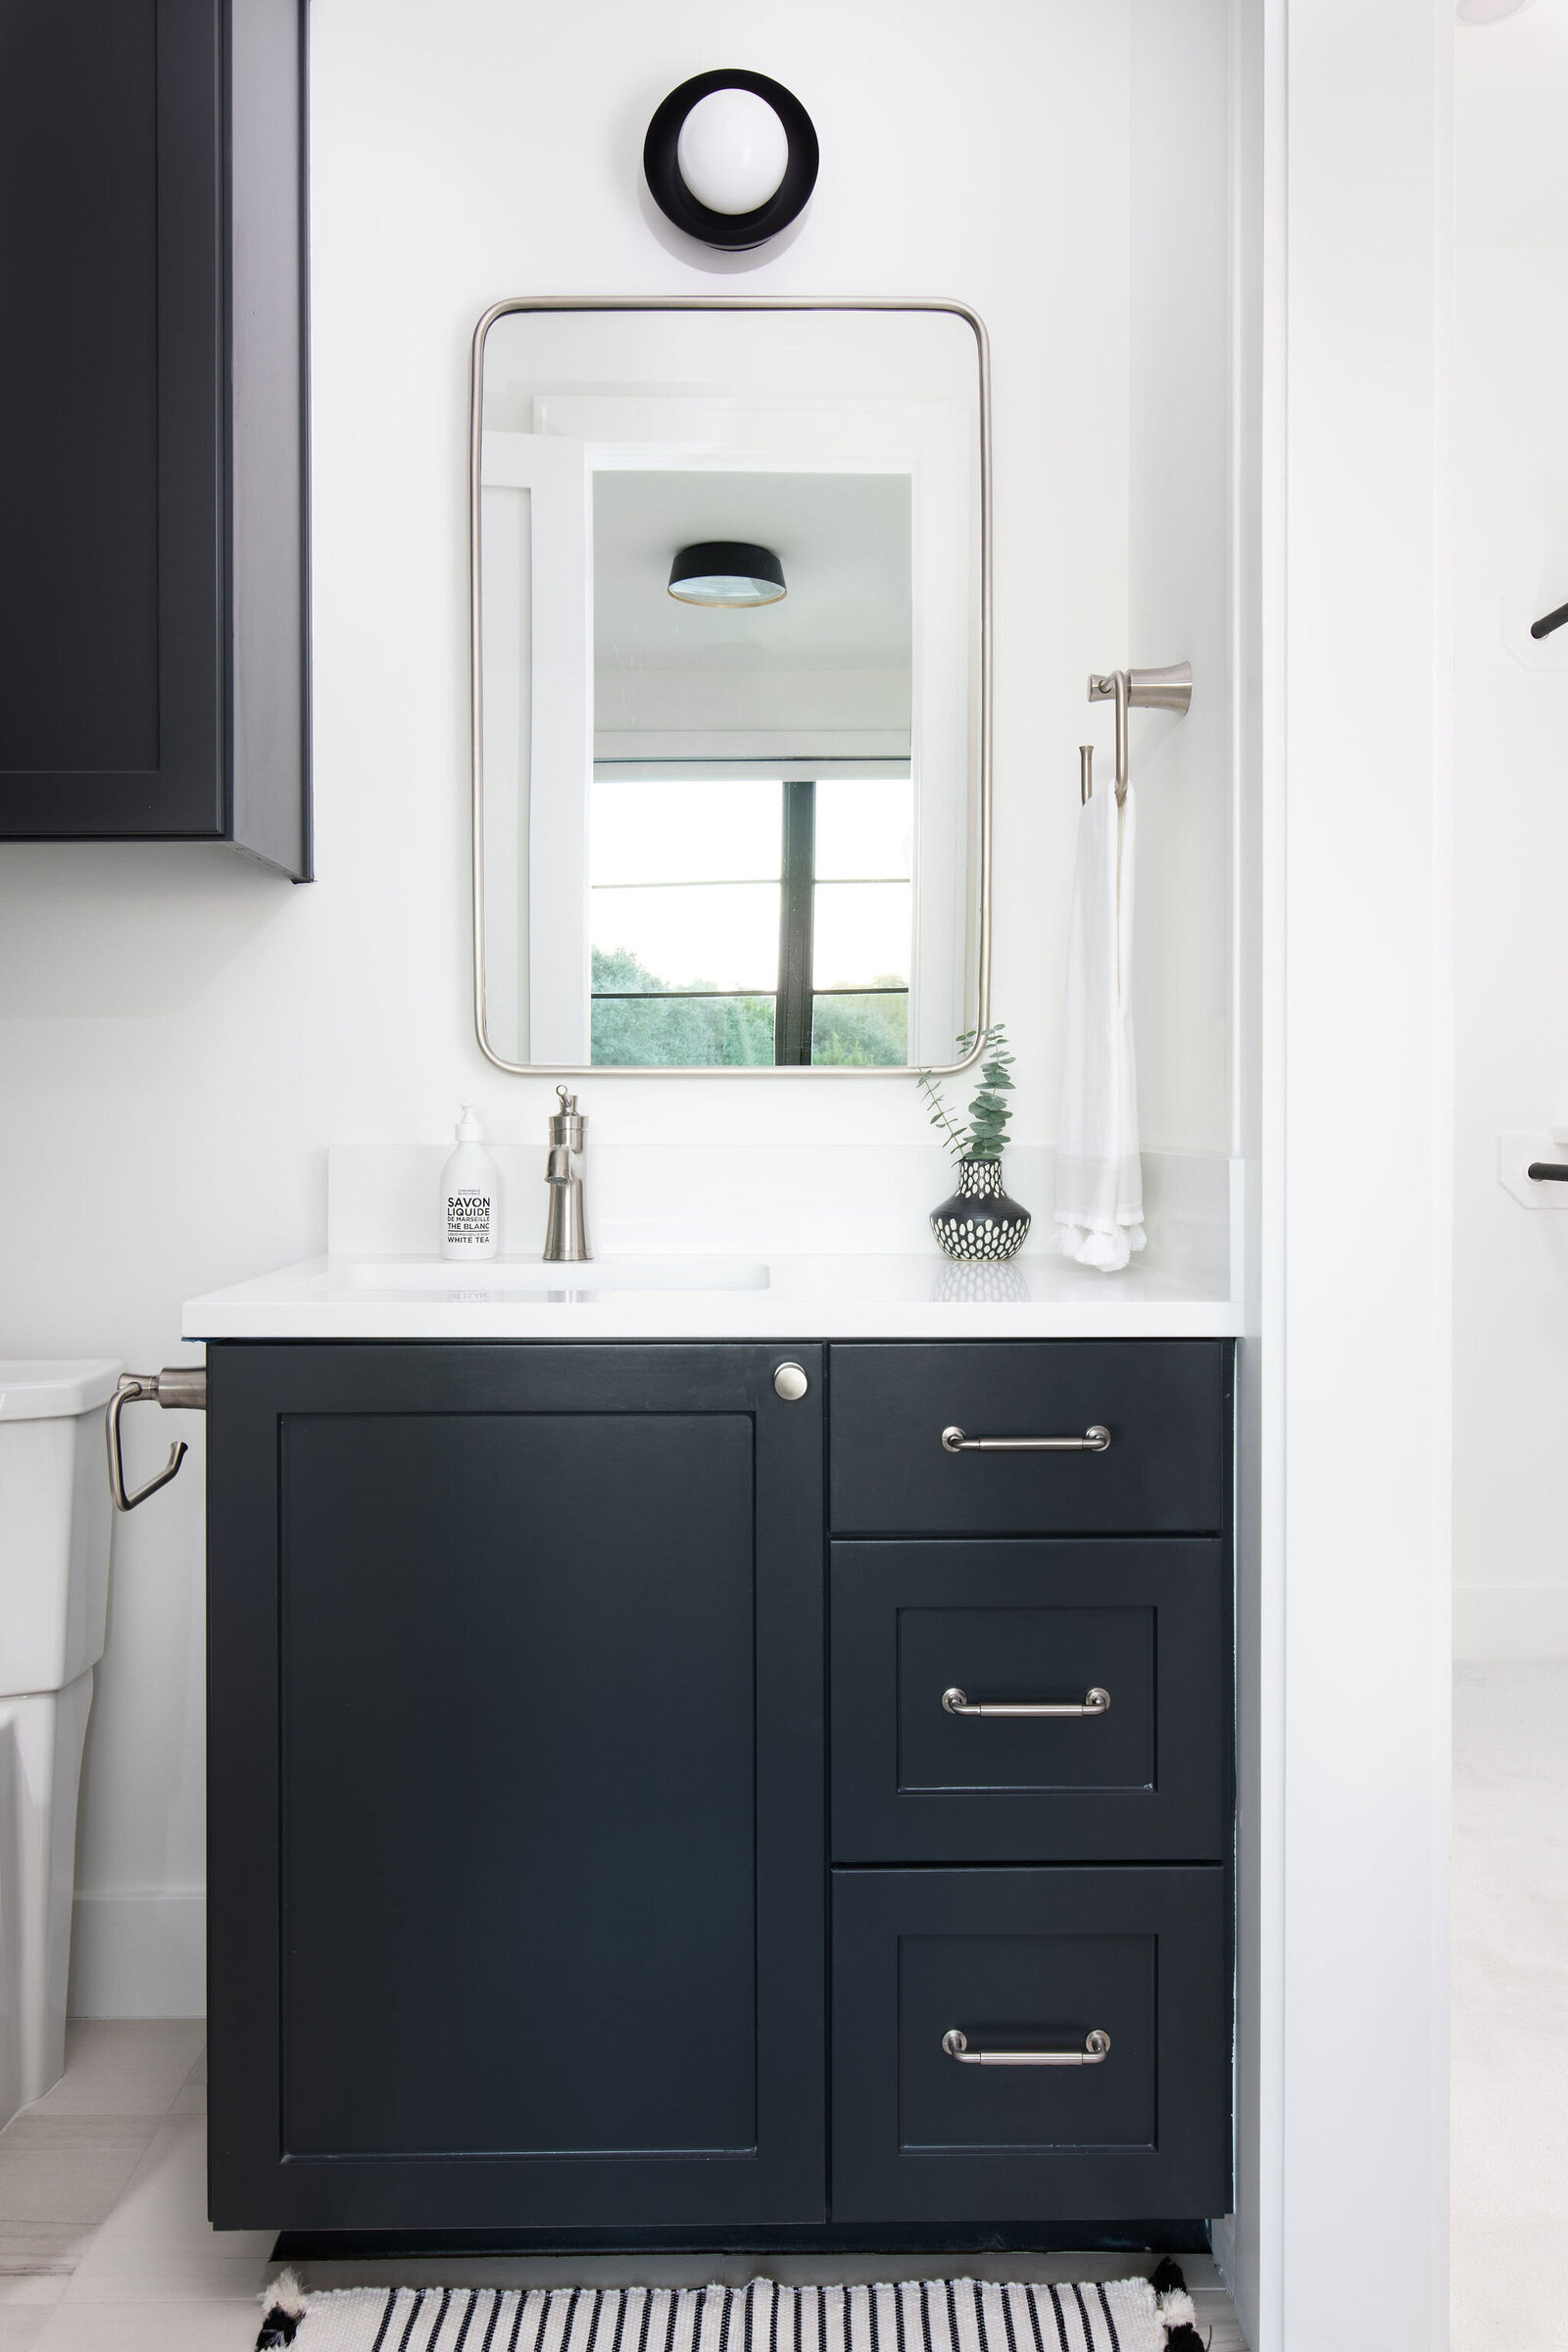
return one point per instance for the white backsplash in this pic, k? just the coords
(803, 1199)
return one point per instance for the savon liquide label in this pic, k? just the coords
(467, 1220)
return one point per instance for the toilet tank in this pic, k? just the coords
(54, 1520)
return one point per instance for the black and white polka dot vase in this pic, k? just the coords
(979, 1221)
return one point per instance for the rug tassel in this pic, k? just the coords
(282, 2309)
(1175, 2307)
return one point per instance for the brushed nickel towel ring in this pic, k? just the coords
(1169, 689)
(178, 1388)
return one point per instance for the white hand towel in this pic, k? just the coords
(1100, 1177)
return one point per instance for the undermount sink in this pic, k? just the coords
(514, 1277)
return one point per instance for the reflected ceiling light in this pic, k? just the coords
(726, 572)
(1486, 12)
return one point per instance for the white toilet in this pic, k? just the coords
(54, 1596)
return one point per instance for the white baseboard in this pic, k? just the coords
(139, 1954)
(1510, 1621)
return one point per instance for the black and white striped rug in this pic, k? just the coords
(924, 2315)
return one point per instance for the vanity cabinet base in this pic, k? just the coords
(1122, 2236)
(523, 1926)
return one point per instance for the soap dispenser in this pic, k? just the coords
(470, 1194)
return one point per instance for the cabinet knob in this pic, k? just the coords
(790, 1383)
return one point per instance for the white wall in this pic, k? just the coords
(1182, 518)
(1511, 453)
(182, 1035)
(1344, 1762)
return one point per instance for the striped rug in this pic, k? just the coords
(927, 2314)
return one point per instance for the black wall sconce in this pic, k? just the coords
(731, 158)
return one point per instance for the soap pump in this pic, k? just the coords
(470, 1194)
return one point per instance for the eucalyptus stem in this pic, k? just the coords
(957, 1137)
(989, 1112)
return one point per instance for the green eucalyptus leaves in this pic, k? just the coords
(990, 1110)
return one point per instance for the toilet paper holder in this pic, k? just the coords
(178, 1388)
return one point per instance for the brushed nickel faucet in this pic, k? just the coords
(567, 1225)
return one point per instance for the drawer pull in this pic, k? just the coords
(1094, 2052)
(1095, 1702)
(1095, 1440)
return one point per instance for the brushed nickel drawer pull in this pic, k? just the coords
(1095, 1440)
(1095, 1701)
(1094, 2052)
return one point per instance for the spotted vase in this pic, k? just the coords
(979, 1220)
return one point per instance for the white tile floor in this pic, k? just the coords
(1510, 2007)
(105, 2245)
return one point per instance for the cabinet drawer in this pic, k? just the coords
(1030, 1961)
(1148, 1623)
(1165, 1402)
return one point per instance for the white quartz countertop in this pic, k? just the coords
(732, 1296)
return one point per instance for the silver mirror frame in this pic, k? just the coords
(719, 302)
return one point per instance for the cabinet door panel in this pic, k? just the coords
(1147, 1622)
(111, 594)
(490, 1771)
(517, 1685)
(1030, 1960)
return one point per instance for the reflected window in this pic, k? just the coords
(751, 921)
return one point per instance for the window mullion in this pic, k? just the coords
(792, 1024)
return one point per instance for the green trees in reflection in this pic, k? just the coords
(655, 1031)
(649, 1028)
(866, 1032)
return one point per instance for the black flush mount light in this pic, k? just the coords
(726, 572)
(728, 140)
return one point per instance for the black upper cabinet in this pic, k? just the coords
(153, 576)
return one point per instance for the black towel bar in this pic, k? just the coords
(1548, 621)
(1547, 1171)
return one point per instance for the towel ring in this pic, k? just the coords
(1168, 688)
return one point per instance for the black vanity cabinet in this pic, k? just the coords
(152, 405)
(543, 1908)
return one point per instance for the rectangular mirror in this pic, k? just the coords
(730, 685)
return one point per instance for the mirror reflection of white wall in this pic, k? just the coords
(716, 836)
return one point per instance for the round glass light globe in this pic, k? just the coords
(732, 151)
